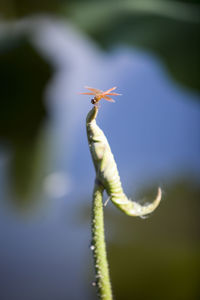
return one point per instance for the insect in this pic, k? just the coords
(98, 94)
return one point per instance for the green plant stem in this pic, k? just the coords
(107, 177)
(98, 245)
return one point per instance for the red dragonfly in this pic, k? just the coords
(98, 94)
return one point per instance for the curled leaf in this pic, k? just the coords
(107, 172)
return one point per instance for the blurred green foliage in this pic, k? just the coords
(13, 9)
(171, 29)
(23, 76)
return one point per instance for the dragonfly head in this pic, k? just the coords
(93, 100)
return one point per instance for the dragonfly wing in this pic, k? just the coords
(109, 99)
(108, 91)
(114, 94)
(87, 93)
(96, 91)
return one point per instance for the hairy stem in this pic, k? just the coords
(98, 245)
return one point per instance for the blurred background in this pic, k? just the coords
(49, 50)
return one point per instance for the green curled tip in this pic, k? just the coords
(135, 209)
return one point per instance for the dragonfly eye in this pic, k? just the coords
(93, 101)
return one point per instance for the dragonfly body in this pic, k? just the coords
(98, 94)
